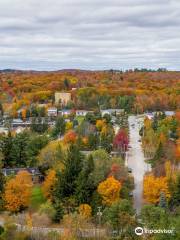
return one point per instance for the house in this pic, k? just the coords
(149, 115)
(19, 129)
(52, 112)
(81, 113)
(3, 130)
(17, 122)
(34, 172)
(169, 113)
(62, 97)
(112, 111)
(65, 112)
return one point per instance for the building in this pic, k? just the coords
(62, 97)
(149, 115)
(52, 112)
(112, 111)
(19, 129)
(17, 122)
(65, 112)
(81, 113)
(4, 130)
(169, 113)
(34, 172)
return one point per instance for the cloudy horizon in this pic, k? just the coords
(84, 34)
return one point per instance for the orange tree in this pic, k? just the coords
(18, 191)
(85, 210)
(109, 190)
(153, 187)
(49, 183)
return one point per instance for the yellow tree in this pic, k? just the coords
(85, 210)
(48, 185)
(99, 124)
(109, 190)
(153, 187)
(18, 192)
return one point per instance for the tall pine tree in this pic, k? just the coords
(85, 185)
(6, 145)
(66, 183)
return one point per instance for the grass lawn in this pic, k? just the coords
(37, 198)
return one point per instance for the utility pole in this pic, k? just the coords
(99, 214)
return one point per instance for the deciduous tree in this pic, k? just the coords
(153, 187)
(109, 190)
(18, 192)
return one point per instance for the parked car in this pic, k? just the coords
(130, 194)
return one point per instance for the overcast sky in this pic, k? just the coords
(89, 34)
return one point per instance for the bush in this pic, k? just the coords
(48, 209)
(1, 230)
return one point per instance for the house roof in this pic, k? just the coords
(14, 171)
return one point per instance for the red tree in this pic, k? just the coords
(121, 140)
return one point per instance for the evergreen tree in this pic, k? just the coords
(2, 182)
(93, 140)
(39, 125)
(155, 122)
(1, 110)
(66, 83)
(85, 183)
(159, 154)
(6, 145)
(20, 150)
(175, 199)
(59, 128)
(59, 211)
(66, 180)
(162, 200)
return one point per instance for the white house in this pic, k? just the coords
(65, 112)
(52, 112)
(81, 113)
(169, 113)
(19, 129)
(149, 115)
(112, 111)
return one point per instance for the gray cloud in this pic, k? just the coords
(96, 34)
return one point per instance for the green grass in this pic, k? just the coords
(37, 198)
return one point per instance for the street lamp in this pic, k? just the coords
(99, 214)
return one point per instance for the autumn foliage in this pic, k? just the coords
(70, 137)
(153, 186)
(48, 184)
(18, 192)
(121, 140)
(85, 210)
(109, 190)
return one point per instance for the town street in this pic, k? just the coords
(136, 161)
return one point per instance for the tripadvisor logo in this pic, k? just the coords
(140, 231)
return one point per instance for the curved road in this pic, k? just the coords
(136, 161)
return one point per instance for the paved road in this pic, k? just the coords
(135, 160)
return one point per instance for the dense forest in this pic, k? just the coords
(136, 91)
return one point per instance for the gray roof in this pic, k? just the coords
(15, 171)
